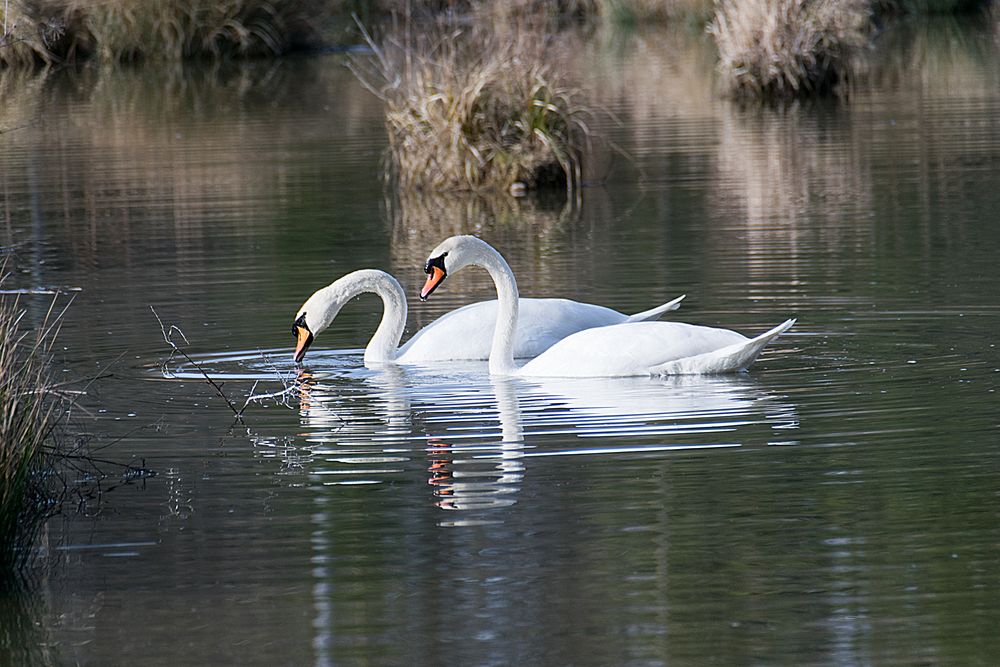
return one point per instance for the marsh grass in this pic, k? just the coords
(30, 35)
(787, 48)
(47, 31)
(472, 108)
(31, 408)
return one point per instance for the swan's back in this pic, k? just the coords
(467, 332)
(629, 349)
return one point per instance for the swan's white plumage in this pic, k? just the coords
(467, 332)
(463, 334)
(620, 350)
(650, 348)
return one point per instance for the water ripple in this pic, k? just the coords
(469, 434)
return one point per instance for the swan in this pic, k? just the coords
(463, 334)
(618, 350)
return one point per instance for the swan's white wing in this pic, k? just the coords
(633, 348)
(736, 357)
(467, 332)
(654, 313)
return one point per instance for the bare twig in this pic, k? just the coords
(288, 387)
(167, 333)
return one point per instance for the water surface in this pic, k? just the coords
(836, 505)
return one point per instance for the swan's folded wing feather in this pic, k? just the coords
(654, 313)
(627, 349)
(729, 359)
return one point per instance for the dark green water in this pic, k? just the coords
(839, 504)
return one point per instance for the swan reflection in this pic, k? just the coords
(472, 433)
(464, 482)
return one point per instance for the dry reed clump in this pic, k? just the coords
(121, 30)
(29, 35)
(787, 48)
(477, 110)
(30, 409)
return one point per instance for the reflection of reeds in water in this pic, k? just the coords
(190, 144)
(785, 167)
(944, 56)
(421, 220)
(476, 108)
(25, 632)
(654, 78)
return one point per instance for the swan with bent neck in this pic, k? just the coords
(618, 350)
(466, 333)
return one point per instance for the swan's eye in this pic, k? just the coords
(437, 262)
(300, 322)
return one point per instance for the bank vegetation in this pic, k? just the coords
(31, 407)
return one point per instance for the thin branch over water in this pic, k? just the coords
(279, 396)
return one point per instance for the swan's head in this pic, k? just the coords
(320, 309)
(309, 323)
(453, 254)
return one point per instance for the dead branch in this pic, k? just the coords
(167, 333)
(288, 387)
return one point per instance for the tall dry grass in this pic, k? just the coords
(30, 410)
(50, 31)
(787, 48)
(30, 34)
(473, 108)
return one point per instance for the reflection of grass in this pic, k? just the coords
(784, 48)
(944, 55)
(475, 109)
(29, 411)
(421, 220)
(25, 632)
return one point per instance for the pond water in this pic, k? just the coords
(838, 504)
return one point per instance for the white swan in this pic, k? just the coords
(634, 348)
(463, 334)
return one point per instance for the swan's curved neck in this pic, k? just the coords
(327, 302)
(502, 351)
(384, 343)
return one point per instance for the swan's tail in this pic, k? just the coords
(729, 359)
(654, 313)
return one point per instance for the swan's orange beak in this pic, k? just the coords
(303, 339)
(434, 277)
